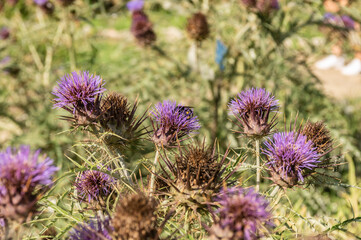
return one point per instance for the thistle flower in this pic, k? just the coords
(119, 120)
(80, 94)
(197, 27)
(319, 135)
(141, 28)
(94, 186)
(171, 123)
(46, 6)
(4, 33)
(242, 214)
(23, 178)
(252, 108)
(290, 156)
(348, 22)
(135, 218)
(93, 230)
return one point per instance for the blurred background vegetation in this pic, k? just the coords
(275, 52)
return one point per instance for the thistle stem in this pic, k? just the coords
(274, 192)
(122, 167)
(152, 178)
(258, 173)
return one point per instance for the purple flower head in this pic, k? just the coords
(290, 156)
(93, 230)
(348, 22)
(241, 214)
(94, 185)
(40, 2)
(252, 108)
(22, 177)
(172, 122)
(275, 4)
(135, 5)
(332, 19)
(79, 94)
(4, 33)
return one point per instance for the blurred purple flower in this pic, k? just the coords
(135, 5)
(241, 214)
(289, 156)
(348, 22)
(252, 108)
(4, 33)
(94, 185)
(142, 29)
(93, 230)
(40, 2)
(22, 178)
(172, 122)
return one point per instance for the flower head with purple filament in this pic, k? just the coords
(252, 108)
(94, 185)
(289, 156)
(78, 90)
(21, 166)
(241, 214)
(93, 230)
(24, 176)
(135, 5)
(172, 122)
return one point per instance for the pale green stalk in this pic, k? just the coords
(258, 173)
(152, 179)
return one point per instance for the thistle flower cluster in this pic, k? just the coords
(262, 6)
(23, 178)
(241, 215)
(171, 123)
(135, 218)
(290, 158)
(94, 186)
(141, 28)
(197, 27)
(94, 229)
(252, 109)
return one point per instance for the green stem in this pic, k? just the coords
(274, 192)
(152, 179)
(121, 165)
(258, 174)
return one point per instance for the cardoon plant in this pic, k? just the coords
(290, 158)
(80, 94)
(94, 186)
(24, 177)
(197, 27)
(141, 28)
(171, 123)
(252, 109)
(243, 214)
(95, 229)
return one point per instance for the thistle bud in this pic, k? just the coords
(135, 218)
(319, 135)
(197, 27)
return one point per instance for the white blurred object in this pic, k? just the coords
(353, 68)
(331, 61)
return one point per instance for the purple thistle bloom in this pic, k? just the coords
(135, 5)
(93, 230)
(80, 94)
(78, 90)
(241, 214)
(94, 185)
(172, 122)
(22, 179)
(252, 108)
(290, 156)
